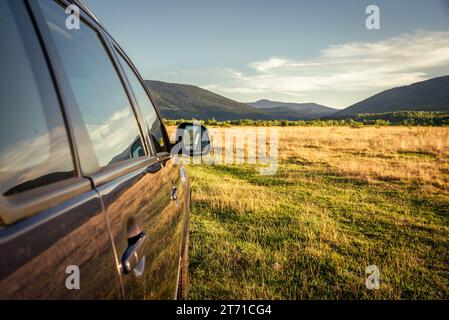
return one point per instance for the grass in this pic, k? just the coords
(341, 200)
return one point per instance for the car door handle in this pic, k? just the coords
(155, 167)
(134, 254)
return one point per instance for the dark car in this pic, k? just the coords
(93, 204)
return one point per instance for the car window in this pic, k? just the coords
(34, 147)
(149, 113)
(100, 95)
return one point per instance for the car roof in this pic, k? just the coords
(82, 5)
(86, 9)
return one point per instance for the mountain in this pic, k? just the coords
(301, 110)
(430, 95)
(182, 101)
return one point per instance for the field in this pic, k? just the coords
(342, 199)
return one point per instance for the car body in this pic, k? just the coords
(92, 204)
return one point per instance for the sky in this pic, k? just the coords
(286, 50)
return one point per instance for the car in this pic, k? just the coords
(93, 204)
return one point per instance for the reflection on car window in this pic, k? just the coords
(144, 102)
(104, 105)
(34, 148)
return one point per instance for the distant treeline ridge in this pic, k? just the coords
(412, 118)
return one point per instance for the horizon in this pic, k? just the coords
(297, 52)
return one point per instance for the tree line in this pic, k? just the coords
(412, 118)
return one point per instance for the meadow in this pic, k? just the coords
(342, 199)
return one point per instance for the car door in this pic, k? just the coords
(164, 216)
(54, 240)
(137, 186)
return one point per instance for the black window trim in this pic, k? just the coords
(126, 86)
(134, 100)
(148, 92)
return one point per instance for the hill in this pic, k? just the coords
(430, 95)
(182, 101)
(304, 111)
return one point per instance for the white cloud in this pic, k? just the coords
(269, 64)
(358, 66)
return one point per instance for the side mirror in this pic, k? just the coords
(192, 139)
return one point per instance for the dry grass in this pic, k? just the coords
(342, 199)
(393, 153)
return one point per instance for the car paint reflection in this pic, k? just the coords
(145, 198)
(33, 264)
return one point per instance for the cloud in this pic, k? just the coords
(357, 66)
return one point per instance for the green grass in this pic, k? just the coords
(309, 232)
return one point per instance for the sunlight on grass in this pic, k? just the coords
(341, 200)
